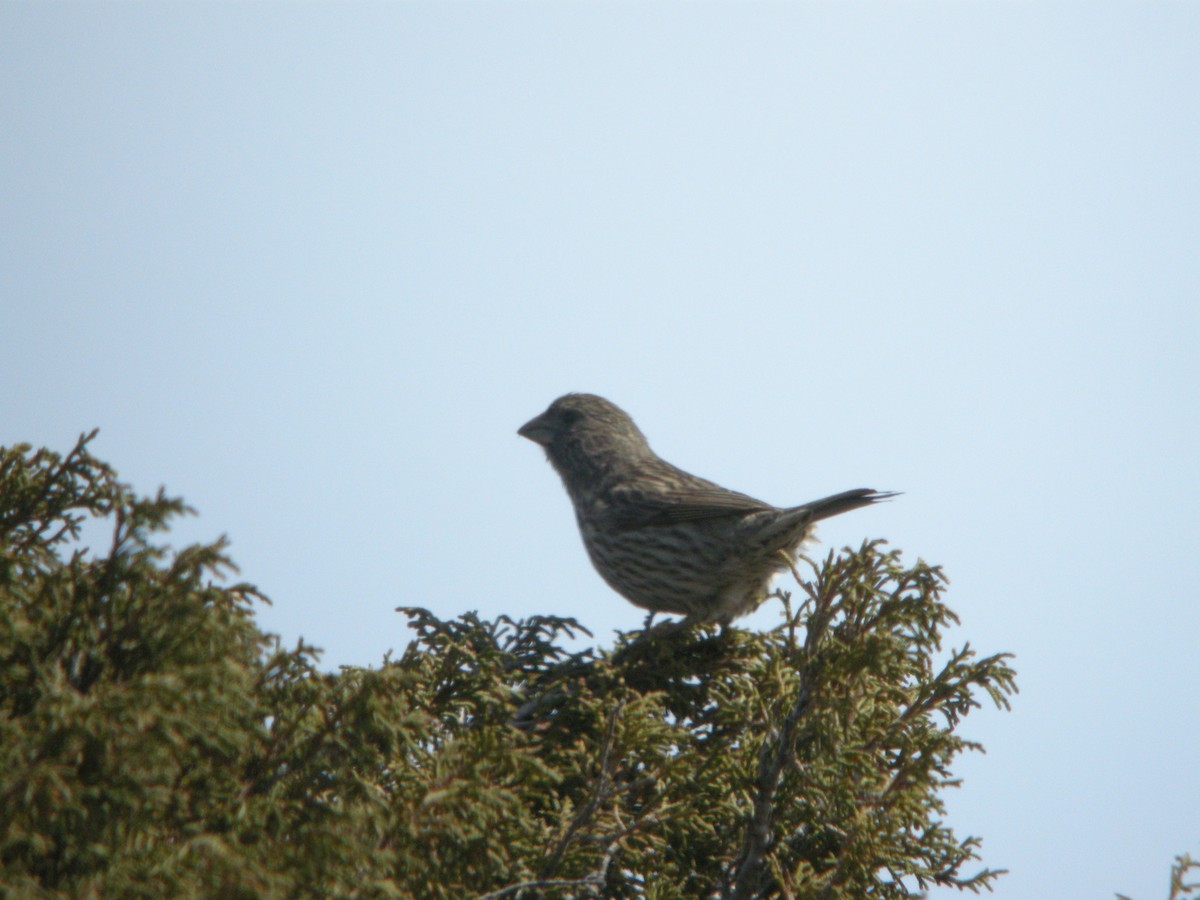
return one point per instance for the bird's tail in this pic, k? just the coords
(844, 502)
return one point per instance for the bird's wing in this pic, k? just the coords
(679, 497)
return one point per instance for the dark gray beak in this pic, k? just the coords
(537, 430)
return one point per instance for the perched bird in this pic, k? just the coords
(666, 540)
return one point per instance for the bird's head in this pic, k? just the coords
(586, 438)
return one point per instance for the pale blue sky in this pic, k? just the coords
(310, 266)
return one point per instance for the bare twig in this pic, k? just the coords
(599, 795)
(593, 882)
(751, 872)
(589, 882)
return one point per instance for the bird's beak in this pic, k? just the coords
(537, 430)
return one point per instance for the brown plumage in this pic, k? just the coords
(667, 540)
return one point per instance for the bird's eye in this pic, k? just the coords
(571, 416)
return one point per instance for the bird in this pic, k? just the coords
(664, 539)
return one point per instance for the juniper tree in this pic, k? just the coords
(154, 742)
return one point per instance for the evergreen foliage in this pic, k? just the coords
(155, 743)
(1180, 888)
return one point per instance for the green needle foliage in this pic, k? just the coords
(1180, 887)
(155, 743)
